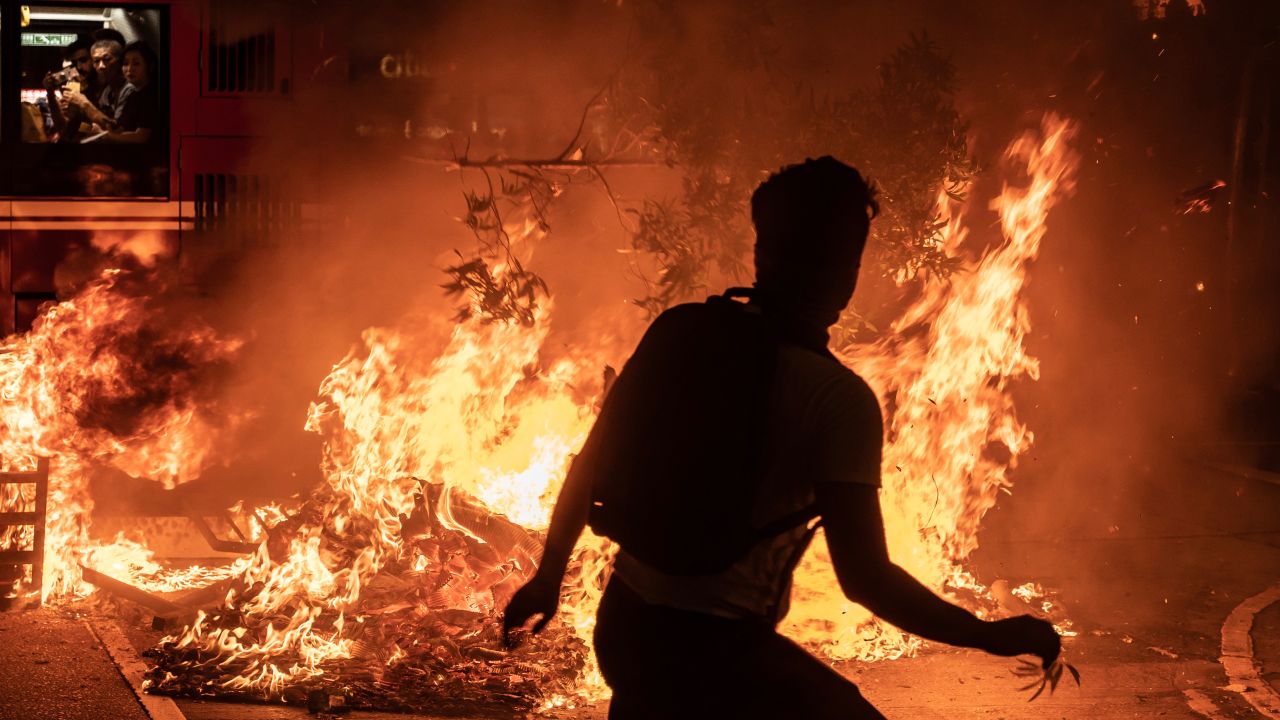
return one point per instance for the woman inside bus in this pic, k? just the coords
(137, 116)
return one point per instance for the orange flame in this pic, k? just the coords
(478, 413)
(83, 388)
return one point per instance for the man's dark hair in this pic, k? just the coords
(811, 219)
(109, 34)
(82, 42)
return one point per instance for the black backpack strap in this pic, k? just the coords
(732, 293)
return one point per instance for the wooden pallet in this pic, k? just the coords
(35, 518)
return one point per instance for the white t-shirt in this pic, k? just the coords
(825, 426)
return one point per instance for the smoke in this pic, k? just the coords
(1129, 302)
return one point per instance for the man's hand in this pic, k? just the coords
(1023, 635)
(78, 100)
(540, 596)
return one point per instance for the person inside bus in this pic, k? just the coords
(132, 115)
(109, 34)
(77, 75)
(137, 113)
(106, 56)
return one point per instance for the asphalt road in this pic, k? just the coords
(52, 668)
(1148, 572)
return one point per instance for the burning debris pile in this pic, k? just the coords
(386, 588)
(380, 581)
(424, 633)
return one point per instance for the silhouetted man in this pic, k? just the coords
(745, 399)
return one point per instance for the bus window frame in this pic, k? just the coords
(17, 155)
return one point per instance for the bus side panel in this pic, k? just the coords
(184, 81)
(8, 310)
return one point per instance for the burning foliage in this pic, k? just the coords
(494, 282)
(726, 131)
(942, 373)
(423, 634)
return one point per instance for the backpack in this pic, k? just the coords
(677, 453)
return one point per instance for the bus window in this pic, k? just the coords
(93, 107)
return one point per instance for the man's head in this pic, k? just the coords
(77, 53)
(106, 60)
(811, 224)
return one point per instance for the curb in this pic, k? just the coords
(134, 670)
(1237, 659)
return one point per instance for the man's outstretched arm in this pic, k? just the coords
(854, 529)
(541, 595)
(567, 522)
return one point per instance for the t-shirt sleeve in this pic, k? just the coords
(850, 432)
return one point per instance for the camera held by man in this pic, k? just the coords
(66, 79)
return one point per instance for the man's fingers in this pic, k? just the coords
(1055, 646)
(509, 624)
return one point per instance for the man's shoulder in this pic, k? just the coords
(675, 324)
(810, 362)
(826, 375)
(681, 312)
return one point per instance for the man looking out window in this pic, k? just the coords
(106, 56)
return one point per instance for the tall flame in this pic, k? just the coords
(952, 433)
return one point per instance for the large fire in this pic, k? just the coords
(444, 446)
